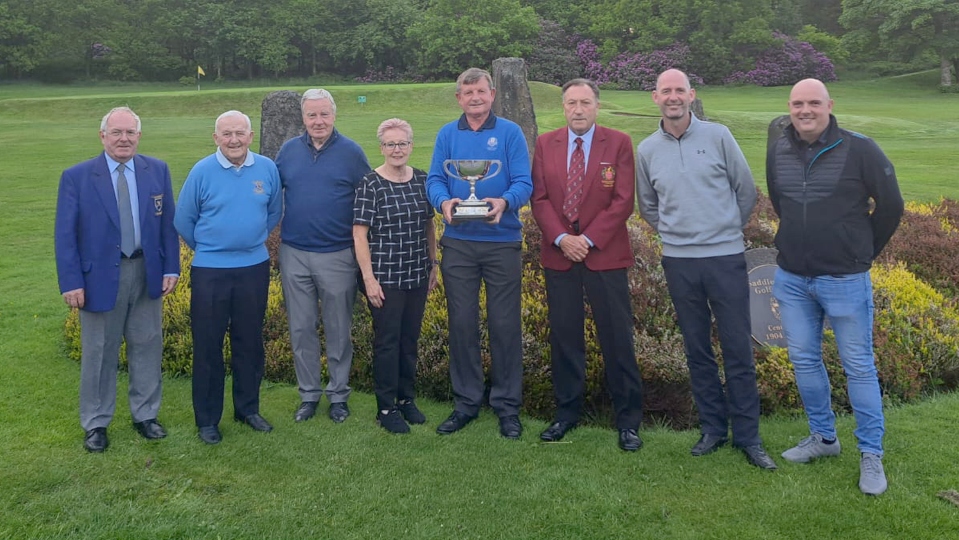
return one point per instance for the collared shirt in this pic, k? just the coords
(130, 174)
(227, 164)
(809, 150)
(489, 123)
(587, 144)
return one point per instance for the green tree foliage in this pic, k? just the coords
(453, 34)
(904, 29)
(20, 40)
(825, 43)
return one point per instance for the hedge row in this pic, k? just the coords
(916, 327)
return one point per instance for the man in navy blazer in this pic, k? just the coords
(117, 255)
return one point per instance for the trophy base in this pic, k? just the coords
(464, 212)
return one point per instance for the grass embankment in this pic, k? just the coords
(353, 480)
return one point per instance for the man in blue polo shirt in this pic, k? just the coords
(483, 251)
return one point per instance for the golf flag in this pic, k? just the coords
(199, 71)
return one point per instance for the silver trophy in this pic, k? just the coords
(473, 171)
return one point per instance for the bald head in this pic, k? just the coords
(672, 77)
(810, 109)
(810, 87)
(673, 96)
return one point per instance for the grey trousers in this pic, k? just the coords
(312, 281)
(137, 319)
(467, 264)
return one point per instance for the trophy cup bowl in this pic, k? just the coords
(472, 171)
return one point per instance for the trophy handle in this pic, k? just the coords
(446, 169)
(495, 167)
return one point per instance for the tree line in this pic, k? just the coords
(166, 40)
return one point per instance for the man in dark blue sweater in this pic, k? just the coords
(319, 171)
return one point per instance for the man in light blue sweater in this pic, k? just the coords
(231, 201)
(696, 190)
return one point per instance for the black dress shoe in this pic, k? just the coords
(210, 434)
(629, 440)
(150, 429)
(556, 431)
(306, 411)
(454, 423)
(510, 427)
(96, 440)
(339, 412)
(757, 456)
(708, 444)
(256, 422)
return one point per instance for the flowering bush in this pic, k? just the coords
(638, 71)
(787, 63)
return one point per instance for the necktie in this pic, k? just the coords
(128, 241)
(574, 183)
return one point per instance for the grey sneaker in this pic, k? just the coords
(811, 448)
(872, 478)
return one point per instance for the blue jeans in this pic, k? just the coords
(847, 301)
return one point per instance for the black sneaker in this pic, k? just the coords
(392, 421)
(410, 412)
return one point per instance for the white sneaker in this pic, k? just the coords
(872, 478)
(811, 448)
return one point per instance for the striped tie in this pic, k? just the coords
(574, 183)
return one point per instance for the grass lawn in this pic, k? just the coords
(319, 480)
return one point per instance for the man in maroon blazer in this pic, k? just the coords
(582, 196)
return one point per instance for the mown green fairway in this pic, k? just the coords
(319, 480)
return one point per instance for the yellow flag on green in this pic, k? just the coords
(199, 71)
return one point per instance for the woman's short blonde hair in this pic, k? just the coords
(394, 123)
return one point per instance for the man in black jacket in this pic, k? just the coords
(838, 203)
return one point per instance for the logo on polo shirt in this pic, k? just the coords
(491, 144)
(258, 187)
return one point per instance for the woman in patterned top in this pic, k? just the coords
(395, 241)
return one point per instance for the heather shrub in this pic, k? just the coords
(917, 334)
(787, 63)
(926, 243)
(916, 327)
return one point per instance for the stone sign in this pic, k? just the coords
(767, 329)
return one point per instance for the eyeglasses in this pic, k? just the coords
(117, 133)
(403, 145)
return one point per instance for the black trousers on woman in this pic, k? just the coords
(396, 336)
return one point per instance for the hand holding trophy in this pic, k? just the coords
(472, 171)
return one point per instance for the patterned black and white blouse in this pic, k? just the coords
(397, 214)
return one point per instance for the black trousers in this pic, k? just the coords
(700, 289)
(466, 265)
(396, 336)
(234, 299)
(608, 295)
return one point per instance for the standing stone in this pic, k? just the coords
(697, 109)
(280, 120)
(776, 128)
(513, 99)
